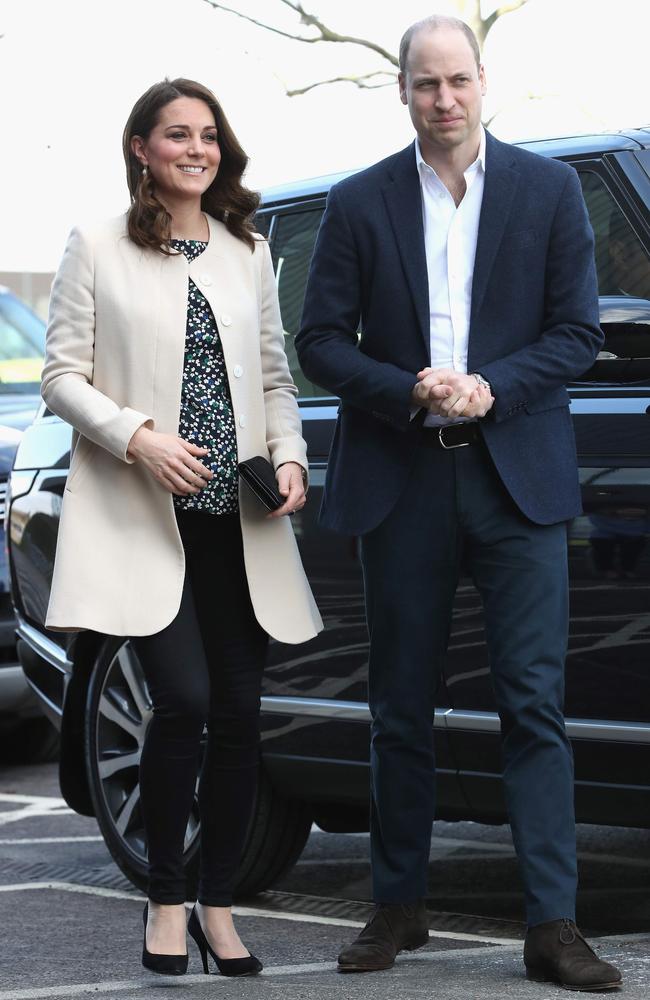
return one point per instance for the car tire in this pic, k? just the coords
(276, 837)
(118, 712)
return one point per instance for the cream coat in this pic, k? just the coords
(114, 360)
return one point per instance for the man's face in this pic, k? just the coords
(443, 88)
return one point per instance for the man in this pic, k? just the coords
(470, 266)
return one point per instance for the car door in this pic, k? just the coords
(608, 664)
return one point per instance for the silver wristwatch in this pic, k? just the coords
(481, 381)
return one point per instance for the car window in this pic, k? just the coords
(621, 259)
(642, 156)
(293, 241)
(22, 345)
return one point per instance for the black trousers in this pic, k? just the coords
(205, 667)
(455, 504)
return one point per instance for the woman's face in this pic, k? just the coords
(181, 151)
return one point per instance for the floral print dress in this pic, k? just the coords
(206, 417)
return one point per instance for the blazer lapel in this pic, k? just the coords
(404, 204)
(501, 181)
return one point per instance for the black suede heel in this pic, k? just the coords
(249, 966)
(166, 965)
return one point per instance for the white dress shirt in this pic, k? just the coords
(450, 235)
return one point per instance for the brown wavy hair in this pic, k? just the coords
(149, 222)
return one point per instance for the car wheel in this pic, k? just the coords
(118, 713)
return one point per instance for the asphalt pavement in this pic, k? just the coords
(72, 926)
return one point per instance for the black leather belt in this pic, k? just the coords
(450, 436)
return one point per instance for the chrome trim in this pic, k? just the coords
(627, 732)
(454, 719)
(50, 651)
(347, 711)
(482, 722)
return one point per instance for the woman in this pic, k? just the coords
(165, 353)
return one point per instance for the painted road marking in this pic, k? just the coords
(50, 840)
(30, 806)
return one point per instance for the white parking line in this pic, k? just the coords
(47, 800)
(50, 840)
(31, 806)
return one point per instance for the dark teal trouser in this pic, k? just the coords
(455, 502)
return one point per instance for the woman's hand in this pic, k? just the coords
(290, 485)
(172, 462)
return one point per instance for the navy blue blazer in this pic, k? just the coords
(534, 326)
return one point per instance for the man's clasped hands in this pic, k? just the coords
(449, 393)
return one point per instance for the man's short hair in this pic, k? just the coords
(431, 24)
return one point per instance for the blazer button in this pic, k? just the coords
(226, 319)
(238, 371)
(205, 279)
(242, 420)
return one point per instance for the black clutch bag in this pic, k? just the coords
(259, 476)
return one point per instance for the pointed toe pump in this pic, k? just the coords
(166, 965)
(249, 966)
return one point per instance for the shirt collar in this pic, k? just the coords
(424, 167)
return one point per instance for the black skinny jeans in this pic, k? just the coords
(205, 667)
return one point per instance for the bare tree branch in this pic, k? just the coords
(260, 24)
(501, 11)
(360, 81)
(469, 10)
(325, 34)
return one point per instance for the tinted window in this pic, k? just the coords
(293, 243)
(263, 223)
(621, 260)
(643, 157)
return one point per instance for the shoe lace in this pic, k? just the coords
(570, 933)
(567, 933)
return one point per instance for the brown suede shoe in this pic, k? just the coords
(394, 927)
(557, 952)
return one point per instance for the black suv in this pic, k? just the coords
(315, 713)
(25, 734)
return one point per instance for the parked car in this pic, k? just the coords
(315, 713)
(25, 733)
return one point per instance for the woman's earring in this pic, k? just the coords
(144, 170)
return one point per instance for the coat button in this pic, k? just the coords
(205, 279)
(238, 371)
(242, 420)
(226, 319)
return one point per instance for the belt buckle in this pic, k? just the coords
(450, 447)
